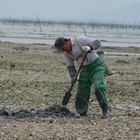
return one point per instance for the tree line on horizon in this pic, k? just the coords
(70, 23)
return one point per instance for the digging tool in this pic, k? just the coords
(68, 94)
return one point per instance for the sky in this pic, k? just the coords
(69, 10)
(127, 1)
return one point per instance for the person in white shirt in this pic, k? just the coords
(92, 71)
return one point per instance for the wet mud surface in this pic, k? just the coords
(33, 81)
(54, 110)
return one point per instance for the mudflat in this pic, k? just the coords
(34, 76)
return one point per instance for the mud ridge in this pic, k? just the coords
(54, 110)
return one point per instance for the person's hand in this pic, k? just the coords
(86, 48)
(73, 80)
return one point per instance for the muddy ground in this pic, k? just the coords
(35, 77)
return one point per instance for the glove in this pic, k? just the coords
(73, 80)
(86, 49)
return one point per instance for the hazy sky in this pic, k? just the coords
(127, 1)
(62, 9)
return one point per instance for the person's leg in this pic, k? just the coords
(100, 90)
(83, 94)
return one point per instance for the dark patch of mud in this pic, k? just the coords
(54, 110)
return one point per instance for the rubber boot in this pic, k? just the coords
(108, 70)
(105, 111)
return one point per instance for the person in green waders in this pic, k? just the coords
(92, 71)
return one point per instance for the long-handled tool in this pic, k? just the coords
(68, 94)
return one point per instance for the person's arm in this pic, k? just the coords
(96, 44)
(72, 71)
(90, 43)
(70, 65)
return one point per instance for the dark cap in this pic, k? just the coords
(59, 42)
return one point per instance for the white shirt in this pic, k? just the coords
(77, 55)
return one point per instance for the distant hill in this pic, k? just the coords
(131, 13)
(127, 14)
(114, 11)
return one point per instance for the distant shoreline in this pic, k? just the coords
(32, 35)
